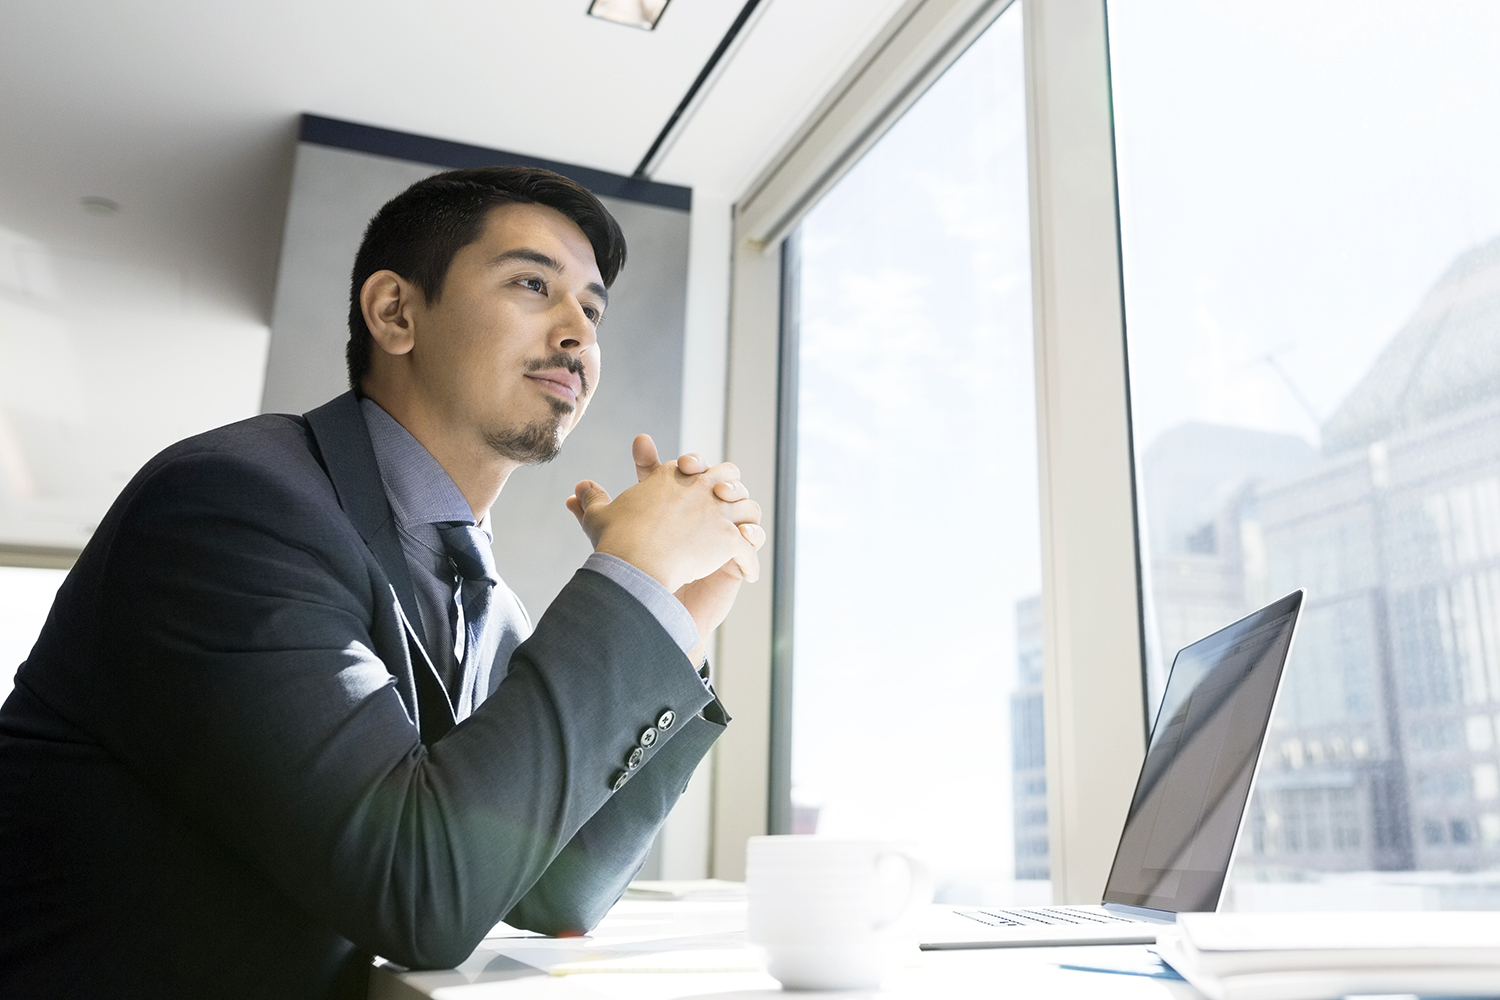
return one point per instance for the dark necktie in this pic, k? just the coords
(470, 551)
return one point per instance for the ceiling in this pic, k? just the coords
(123, 332)
(184, 112)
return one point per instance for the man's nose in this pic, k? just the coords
(573, 331)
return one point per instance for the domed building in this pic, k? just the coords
(1385, 752)
(1445, 360)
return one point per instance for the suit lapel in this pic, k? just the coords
(344, 440)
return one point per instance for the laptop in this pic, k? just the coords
(1189, 802)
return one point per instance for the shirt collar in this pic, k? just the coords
(419, 488)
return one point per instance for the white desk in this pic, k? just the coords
(673, 950)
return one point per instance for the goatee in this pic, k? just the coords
(533, 444)
(539, 442)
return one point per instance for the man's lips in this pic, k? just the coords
(561, 381)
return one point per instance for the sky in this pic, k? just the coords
(1294, 177)
(916, 388)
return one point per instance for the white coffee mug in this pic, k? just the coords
(829, 912)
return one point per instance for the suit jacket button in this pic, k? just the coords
(634, 760)
(667, 718)
(648, 737)
(620, 780)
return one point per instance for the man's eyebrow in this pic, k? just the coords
(542, 260)
(528, 255)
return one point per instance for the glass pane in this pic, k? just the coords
(25, 598)
(917, 639)
(1311, 238)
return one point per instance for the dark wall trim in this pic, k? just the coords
(443, 153)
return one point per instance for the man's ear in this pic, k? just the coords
(388, 302)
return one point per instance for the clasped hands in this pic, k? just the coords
(689, 525)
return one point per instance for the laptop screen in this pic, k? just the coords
(1179, 834)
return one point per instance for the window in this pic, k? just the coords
(916, 649)
(1311, 248)
(25, 598)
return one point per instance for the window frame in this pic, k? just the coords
(38, 556)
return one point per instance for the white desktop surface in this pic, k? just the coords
(649, 950)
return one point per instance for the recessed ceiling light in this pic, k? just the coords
(96, 205)
(635, 13)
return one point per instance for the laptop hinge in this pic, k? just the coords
(1142, 912)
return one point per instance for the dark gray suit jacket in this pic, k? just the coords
(227, 770)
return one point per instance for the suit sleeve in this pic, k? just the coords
(592, 871)
(246, 689)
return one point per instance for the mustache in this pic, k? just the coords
(562, 360)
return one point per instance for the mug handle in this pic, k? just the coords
(920, 891)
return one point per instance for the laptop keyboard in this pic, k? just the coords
(1043, 916)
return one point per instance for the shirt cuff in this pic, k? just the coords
(664, 607)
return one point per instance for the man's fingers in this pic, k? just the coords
(586, 494)
(724, 472)
(730, 491)
(745, 557)
(748, 560)
(575, 507)
(744, 511)
(691, 465)
(643, 451)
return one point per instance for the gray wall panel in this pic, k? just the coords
(537, 543)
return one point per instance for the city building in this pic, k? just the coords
(1028, 746)
(1383, 753)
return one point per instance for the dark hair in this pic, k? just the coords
(418, 233)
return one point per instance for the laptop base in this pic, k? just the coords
(947, 928)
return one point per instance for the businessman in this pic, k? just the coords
(285, 716)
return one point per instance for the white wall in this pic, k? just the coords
(685, 842)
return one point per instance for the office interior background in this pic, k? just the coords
(1053, 334)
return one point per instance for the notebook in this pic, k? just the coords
(1275, 956)
(1189, 803)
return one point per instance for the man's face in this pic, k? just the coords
(508, 351)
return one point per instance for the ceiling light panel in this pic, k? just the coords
(635, 13)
